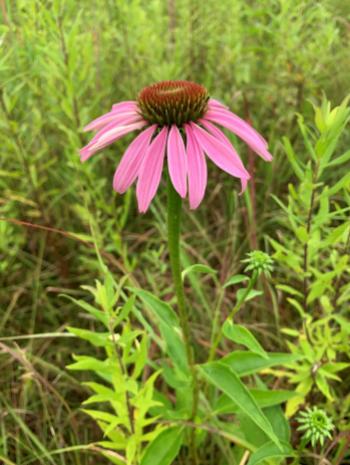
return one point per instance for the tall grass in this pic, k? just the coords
(63, 63)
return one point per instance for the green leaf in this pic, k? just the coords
(292, 158)
(101, 316)
(343, 183)
(264, 398)
(247, 363)
(236, 279)
(169, 327)
(225, 379)
(341, 159)
(302, 234)
(289, 290)
(95, 338)
(161, 309)
(270, 450)
(251, 295)
(164, 448)
(197, 268)
(175, 346)
(323, 386)
(242, 335)
(85, 362)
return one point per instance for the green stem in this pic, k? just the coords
(232, 314)
(174, 221)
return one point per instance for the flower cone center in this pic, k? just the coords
(173, 102)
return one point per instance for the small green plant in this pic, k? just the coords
(123, 394)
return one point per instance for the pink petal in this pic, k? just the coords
(244, 183)
(125, 106)
(221, 136)
(151, 171)
(107, 136)
(177, 161)
(239, 121)
(112, 116)
(213, 103)
(113, 125)
(130, 163)
(241, 129)
(223, 156)
(218, 134)
(197, 169)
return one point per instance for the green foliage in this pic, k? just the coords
(126, 423)
(314, 254)
(223, 377)
(65, 62)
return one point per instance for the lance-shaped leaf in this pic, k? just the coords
(242, 335)
(165, 447)
(225, 379)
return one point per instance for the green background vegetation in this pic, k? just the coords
(62, 63)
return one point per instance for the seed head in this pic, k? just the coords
(173, 102)
(317, 426)
(259, 261)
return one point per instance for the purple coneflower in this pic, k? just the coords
(176, 118)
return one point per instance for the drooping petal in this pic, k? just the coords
(107, 136)
(112, 116)
(242, 129)
(151, 171)
(225, 111)
(218, 134)
(219, 153)
(130, 163)
(177, 160)
(225, 140)
(197, 169)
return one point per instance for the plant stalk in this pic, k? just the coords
(232, 314)
(174, 222)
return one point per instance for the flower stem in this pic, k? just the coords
(232, 314)
(174, 221)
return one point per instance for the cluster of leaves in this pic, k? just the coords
(126, 423)
(313, 254)
(64, 62)
(232, 387)
(259, 427)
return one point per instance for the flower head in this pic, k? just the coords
(316, 425)
(178, 119)
(259, 261)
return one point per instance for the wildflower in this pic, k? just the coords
(177, 118)
(259, 261)
(317, 426)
